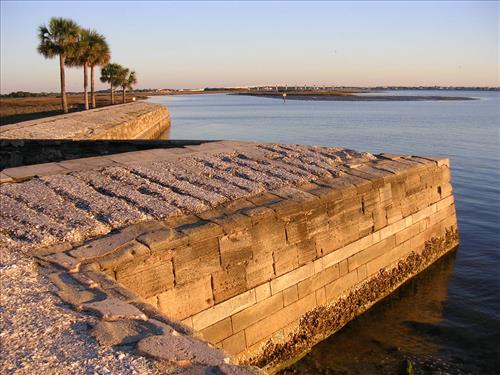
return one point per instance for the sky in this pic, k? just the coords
(214, 44)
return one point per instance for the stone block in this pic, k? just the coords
(163, 239)
(233, 222)
(114, 309)
(278, 320)
(362, 273)
(267, 235)
(291, 278)
(388, 258)
(149, 277)
(296, 230)
(263, 291)
(235, 344)
(370, 200)
(306, 251)
(229, 282)
(372, 252)
(103, 246)
(224, 309)
(200, 231)
(259, 270)
(317, 221)
(285, 259)
(235, 248)
(448, 201)
(196, 260)
(321, 297)
(326, 242)
(257, 312)
(184, 301)
(340, 286)
(218, 331)
(379, 218)
(393, 214)
(126, 254)
(290, 295)
(407, 233)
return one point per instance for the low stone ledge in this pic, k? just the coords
(124, 121)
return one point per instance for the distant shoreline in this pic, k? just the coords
(360, 98)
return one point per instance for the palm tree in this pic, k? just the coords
(58, 39)
(109, 74)
(126, 78)
(90, 49)
(99, 56)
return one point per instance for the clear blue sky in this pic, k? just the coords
(199, 44)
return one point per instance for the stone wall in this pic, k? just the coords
(268, 276)
(137, 120)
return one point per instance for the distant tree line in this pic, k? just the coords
(24, 94)
(79, 47)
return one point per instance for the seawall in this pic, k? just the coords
(137, 120)
(260, 249)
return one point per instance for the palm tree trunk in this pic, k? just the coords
(123, 95)
(85, 86)
(64, 100)
(112, 95)
(92, 93)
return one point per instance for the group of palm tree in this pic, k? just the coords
(76, 46)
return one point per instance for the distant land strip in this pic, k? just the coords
(356, 98)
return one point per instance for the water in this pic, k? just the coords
(447, 320)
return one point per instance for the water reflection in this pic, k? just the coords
(397, 329)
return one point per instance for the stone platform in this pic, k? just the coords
(260, 249)
(137, 120)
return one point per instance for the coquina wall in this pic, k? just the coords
(137, 120)
(268, 276)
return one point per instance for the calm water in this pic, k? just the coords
(447, 320)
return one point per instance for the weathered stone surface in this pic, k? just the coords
(184, 301)
(124, 332)
(114, 309)
(124, 121)
(180, 350)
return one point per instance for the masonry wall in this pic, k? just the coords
(245, 275)
(136, 120)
